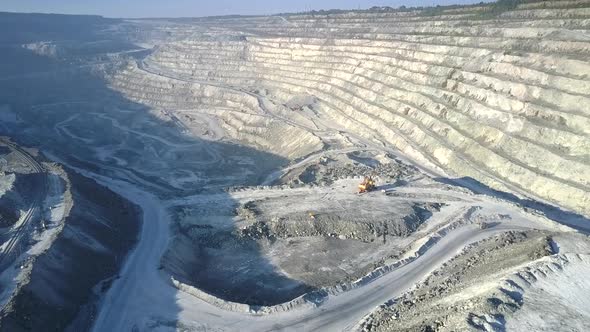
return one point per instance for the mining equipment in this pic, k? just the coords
(367, 185)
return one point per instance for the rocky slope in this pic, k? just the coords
(496, 94)
(494, 286)
(308, 103)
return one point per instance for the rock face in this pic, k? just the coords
(496, 94)
(435, 303)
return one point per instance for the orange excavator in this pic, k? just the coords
(367, 185)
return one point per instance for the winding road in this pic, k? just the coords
(142, 297)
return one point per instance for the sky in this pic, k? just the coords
(196, 8)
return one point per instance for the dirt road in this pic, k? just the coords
(124, 306)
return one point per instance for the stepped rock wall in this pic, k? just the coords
(504, 99)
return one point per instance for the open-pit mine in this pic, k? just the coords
(202, 174)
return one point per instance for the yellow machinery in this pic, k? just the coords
(367, 185)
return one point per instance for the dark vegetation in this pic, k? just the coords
(501, 6)
(481, 10)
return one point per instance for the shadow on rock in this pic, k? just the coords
(73, 113)
(552, 212)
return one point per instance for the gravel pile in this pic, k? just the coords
(343, 225)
